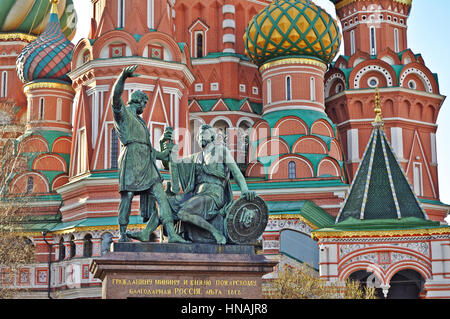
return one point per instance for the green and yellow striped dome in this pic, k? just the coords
(289, 28)
(31, 16)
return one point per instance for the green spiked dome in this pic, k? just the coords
(31, 16)
(288, 28)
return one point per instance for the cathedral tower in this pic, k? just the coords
(292, 42)
(376, 55)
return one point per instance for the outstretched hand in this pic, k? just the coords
(128, 72)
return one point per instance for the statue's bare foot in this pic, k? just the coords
(220, 239)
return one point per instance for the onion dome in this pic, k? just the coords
(31, 16)
(48, 57)
(289, 28)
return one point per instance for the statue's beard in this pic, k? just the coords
(139, 110)
(205, 142)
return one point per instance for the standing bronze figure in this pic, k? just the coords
(138, 174)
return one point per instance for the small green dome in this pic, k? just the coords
(288, 28)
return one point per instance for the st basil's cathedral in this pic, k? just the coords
(341, 147)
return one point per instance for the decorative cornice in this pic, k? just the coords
(17, 36)
(316, 235)
(285, 61)
(293, 216)
(48, 85)
(124, 61)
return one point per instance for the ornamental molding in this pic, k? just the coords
(285, 61)
(330, 81)
(421, 247)
(394, 258)
(366, 69)
(389, 236)
(271, 245)
(48, 85)
(280, 222)
(426, 81)
(17, 36)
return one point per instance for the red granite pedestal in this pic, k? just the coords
(150, 270)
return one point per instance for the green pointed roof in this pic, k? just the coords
(380, 189)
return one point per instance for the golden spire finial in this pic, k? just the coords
(378, 116)
(54, 4)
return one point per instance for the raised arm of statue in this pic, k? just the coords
(238, 177)
(119, 86)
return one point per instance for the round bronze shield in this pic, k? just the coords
(246, 220)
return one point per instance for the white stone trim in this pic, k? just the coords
(359, 75)
(229, 38)
(422, 76)
(229, 23)
(228, 8)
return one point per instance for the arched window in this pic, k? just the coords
(87, 246)
(269, 91)
(288, 88)
(292, 170)
(41, 108)
(373, 41)
(73, 248)
(352, 42)
(114, 149)
(199, 44)
(396, 41)
(106, 242)
(313, 88)
(62, 250)
(221, 128)
(4, 86)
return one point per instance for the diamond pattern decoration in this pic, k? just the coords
(292, 27)
(48, 57)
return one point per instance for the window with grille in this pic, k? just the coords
(288, 88)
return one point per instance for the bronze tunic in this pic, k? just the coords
(137, 170)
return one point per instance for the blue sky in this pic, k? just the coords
(428, 27)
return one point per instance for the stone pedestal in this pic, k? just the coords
(149, 270)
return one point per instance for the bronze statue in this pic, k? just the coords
(199, 194)
(138, 174)
(207, 194)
